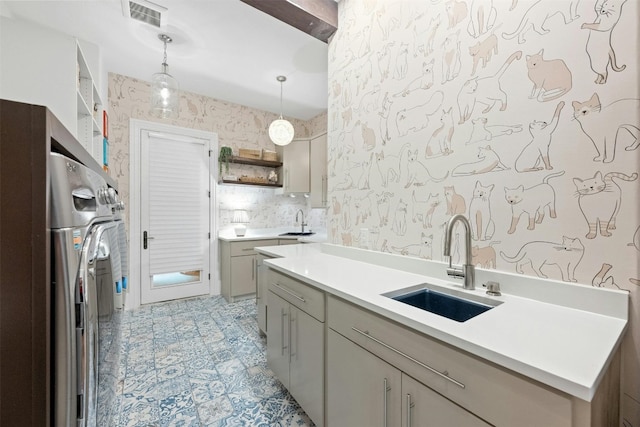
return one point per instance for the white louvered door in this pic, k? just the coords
(174, 208)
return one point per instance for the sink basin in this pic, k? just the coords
(445, 302)
(297, 233)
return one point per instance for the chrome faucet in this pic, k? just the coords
(303, 224)
(467, 271)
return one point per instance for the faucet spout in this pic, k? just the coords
(303, 224)
(466, 272)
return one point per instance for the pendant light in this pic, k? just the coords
(281, 130)
(165, 97)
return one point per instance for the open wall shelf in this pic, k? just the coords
(255, 162)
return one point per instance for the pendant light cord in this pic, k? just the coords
(281, 100)
(164, 61)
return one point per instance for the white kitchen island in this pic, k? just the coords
(549, 340)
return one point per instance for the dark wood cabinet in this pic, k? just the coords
(28, 133)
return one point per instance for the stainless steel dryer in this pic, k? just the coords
(81, 226)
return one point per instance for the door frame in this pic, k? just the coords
(136, 127)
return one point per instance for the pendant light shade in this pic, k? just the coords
(165, 96)
(281, 131)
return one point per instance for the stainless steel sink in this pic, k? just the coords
(449, 303)
(297, 233)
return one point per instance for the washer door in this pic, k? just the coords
(94, 299)
(67, 246)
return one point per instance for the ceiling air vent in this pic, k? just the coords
(145, 11)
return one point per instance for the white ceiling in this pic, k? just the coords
(224, 49)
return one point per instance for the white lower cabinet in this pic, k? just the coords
(306, 368)
(364, 390)
(295, 345)
(463, 384)
(239, 267)
(278, 342)
(262, 285)
(380, 373)
(261, 293)
(422, 406)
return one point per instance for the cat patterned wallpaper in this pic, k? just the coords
(237, 126)
(523, 115)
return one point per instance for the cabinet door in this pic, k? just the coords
(318, 171)
(243, 275)
(261, 292)
(362, 390)
(278, 342)
(296, 167)
(422, 406)
(307, 363)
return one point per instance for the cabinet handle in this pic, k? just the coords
(444, 374)
(409, 406)
(282, 288)
(292, 324)
(247, 249)
(386, 390)
(253, 269)
(284, 314)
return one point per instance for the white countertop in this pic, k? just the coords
(229, 235)
(565, 347)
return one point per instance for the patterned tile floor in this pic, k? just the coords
(199, 362)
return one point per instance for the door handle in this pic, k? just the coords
(145, 239)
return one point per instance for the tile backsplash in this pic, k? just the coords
(266, 209)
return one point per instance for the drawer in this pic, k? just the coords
(289, 241)
(303, 296)
(246, 247)
(499, 396)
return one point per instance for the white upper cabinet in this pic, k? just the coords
(295, 169)
(304, 169)
(46, 67)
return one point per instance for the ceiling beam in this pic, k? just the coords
(318, 18)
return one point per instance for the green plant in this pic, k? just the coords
(226, 153)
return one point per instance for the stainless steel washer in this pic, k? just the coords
(82, 227)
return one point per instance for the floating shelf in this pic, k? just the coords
(258, 184)
(255, 162)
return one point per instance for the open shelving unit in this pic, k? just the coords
(253, 162)
(90, 106)
(257, 184)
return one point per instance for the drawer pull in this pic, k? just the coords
(282, 288)
(247, 249)
(417, 362)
